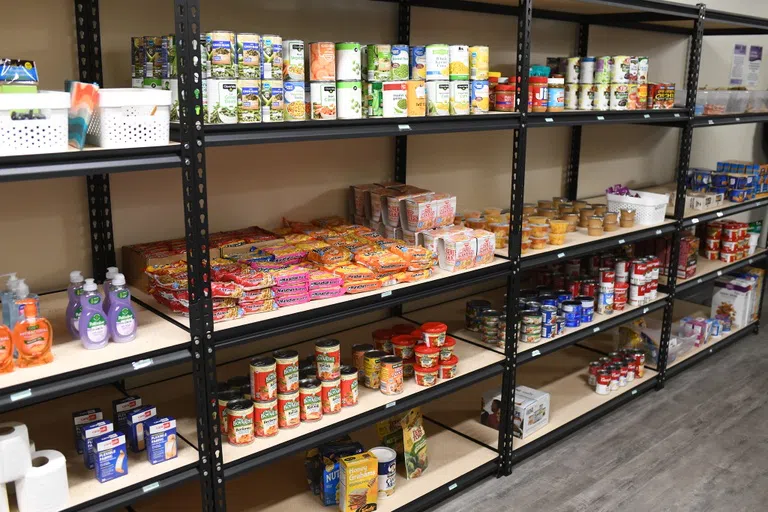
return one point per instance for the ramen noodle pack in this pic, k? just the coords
(358, 483)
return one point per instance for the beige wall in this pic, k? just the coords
(47, 221)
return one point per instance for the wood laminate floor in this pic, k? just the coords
(701, 444)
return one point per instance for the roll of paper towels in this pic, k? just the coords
(44, 488)
(14, 451)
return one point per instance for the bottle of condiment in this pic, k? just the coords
(493, 81)
(556, 94)
(505, 98)
(539, 89)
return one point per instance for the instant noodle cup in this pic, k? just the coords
(265, 419)
(382, 339)
(402, 328)
(426, 377)
(448, 368)
(349, 386)
(427, 357)
(288, 409)
(446, 351)
(434, 333)
(403, 345)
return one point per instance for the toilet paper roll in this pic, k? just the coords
(14, 451)
(10, 488)
(44, 488)
(4, 499)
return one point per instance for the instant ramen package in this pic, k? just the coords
(405, 434)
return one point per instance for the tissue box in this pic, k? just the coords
(161, 443)
(90, 433)
(120, 409)
(110, 456)
(81, 418)
(136, 427)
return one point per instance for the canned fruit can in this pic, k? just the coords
(603, 70)
(400, 62)
(348, 61)
(619, 96)
(322, 62)
(395, 99)
(287, 368)
(418, 62)
(602, 97)
(222, 101)
(222, 58)
(323, 100)
(479, 98)
(271, 57)
(479, 57)
(349, 386)
(375, 99)
(349, 100)
(391, 376)
(288, 409)
(379, 62)
(310, 401)
(330, 395)
(438, 60)
(240, 429)
(293, 61)
(572, 70)
(265, 418)
(438, 98)
(372, 368)
(571, 96)
(249, 56)
(328, 357)
(460, 98)
(294, 97)
(417, 98)
(458, 62)
(272, 101)
(620, 69)
(587, 70)
(642, 70)
(586, 96)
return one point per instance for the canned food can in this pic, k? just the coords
(417, 98)
(348, 62)
(322, 62)
(623, 372)
(571, 96)
(479, 98)
(331, 396)
(633, 64)
(395, 99)
(222, 56)
(222, 101)
(636, 294)
(589, 287)
(382, 340)
(438, 98)
(572, 70)
(460, 98)
(479, 58)
(375, 99)
(323, 99)
(620, 69)
(400, 64)
(605, 303)
(249, 56)
(391, 377)
(271, 57)
(458, 62)
(287, 368)
(633, 98)
(572, 313)
(533, 305)
(607, 275)
(562, 296)
(379, 57)
(272, 110)
(358, 356)
(293, 61)
(586, 96)
(594, 369)
(288, 409)
(602, 100)
(560, 323)
(548, 331)
(263, 375)
(349, 386)
(265, 418)
(240, 422)
(603, 382)
(222, 399)
(438, 59)
(349, 100)
(548, 314)
(587, 308)
(603, 70)
(372, 368)
(533, 337)
(615, 376)
(295, 95)
(547, 300)
(631, 368)
(248, 101)
(620, 293)
(642, 70)
(531, 317)
(619, 96)
(328, 357)
(474, 308)
(310, 401)
(418, 62)
(387, 471)
(638, 270)
(587, 70)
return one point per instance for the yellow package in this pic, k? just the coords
(358, 483)
(414, 444)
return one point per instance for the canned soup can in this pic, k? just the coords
(379, 62)
(348, 61)
(322, 62)
(222, 101)
(221, 54)
(438, 98)
(294, 98)
(272, 101)
(438, 59)
(395, 99)
(323, 98)
(460, 98)
(458, 62)
(240, 429)
(349, 100)
(418, 62)
(249, 56)
(400, 62)
(293, 61)
(479, 57)
(271, 57)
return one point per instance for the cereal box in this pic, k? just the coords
(358, 483)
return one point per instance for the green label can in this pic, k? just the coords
(349, 100)
(222, 55)
(348, 63)
(222, 101)
(400, 62)
(271, 57)
(379, 62)
(249, 56)
(374, 99)
(438, 98)
(272, 101)
(248, 101)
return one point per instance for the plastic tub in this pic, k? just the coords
(716, 103)
(737, 102)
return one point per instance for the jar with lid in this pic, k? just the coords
(539, 92)
(556, 94)
(505, 98)
(493, 81)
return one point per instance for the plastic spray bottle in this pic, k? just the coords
(32, 335)
(111, 273)
(74, 291)
(121, 315)
(94, 332)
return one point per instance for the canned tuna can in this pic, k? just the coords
(548, 331)
(458, 62)
(417, 98)
(395, 99)
(472, 315)
(620, 69)
(533, 305)
(619, 97)
(438, 60)
(418, 61)
(490, 336)
(479, 58)
(375, 99)
(602, 99)
(586, 96)
(572, 70)
(294, 98)
(547, 300)
(293, 61)
(349, 100)
(562, 296)
(222, 101)
(587, 308)
(571, 96)
(400, 62)
(438, 98)
(391, 377)
(587, 70)
(271, 57)
(222, 56)
(348, 61)
(272, 110)
(479, 99)
(372, 368)
(323, 99)
(605, 303)
(249, 56)
(572, 313)
(460, 98)
(379, 62)
(603, 70)
(548, 314)
(642, 70)
(322, 61)
(489, 319)
(531, 317)
(530, 337)
(603, 382)
(594, 369)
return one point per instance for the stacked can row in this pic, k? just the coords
(616, 370)
(491, 323)
(619, 69)
(727, 241)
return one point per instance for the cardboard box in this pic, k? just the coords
(161, 439)
(358, 483)
(110, 457)
(89, 433)
(121, 408)
(531, 411)
(137, 428)
(136, 258)
(81, 418)
(732, 299)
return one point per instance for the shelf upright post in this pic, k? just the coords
(683, 162)
(187, 20)
(97, 186)
(517, 195)
(572, 173)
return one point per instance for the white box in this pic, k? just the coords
(531, 411)
(733, 298)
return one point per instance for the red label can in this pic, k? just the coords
(288, 410)
(607, 275)
(594, 368)
(349, 386)
(589, 287)
(572, 268)
(603, 382)
(310, 401)
(265, 418)
(615, 357)
(328, 356)
(287, 370)
(331, 396)
(631, 368)
(624, 370)
(637, 271)
(574, 287)
(620, 296)
(622, 271)
(639, 356)
(263, 379)
(615, 376)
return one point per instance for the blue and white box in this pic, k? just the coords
(137, 428)
(81, 418)
(161, 439)
(120, 409)
(110, 456)
(90, 432)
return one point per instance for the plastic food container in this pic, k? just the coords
(716, 103)
(434, 334)
(403, 346)
(737, 102)
(448, 368)
(446, 351)
(557, 238)
(426, 377)
(538, 243)
(427, 357)
(558, 227)
(539, 230)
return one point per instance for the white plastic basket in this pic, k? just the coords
(130, 118)
(19, 136)
(650, 208)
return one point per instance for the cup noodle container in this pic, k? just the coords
(486, 246)
(438, 98)
(457, 252)
(395, 99)
(348, 61)
(418, 213)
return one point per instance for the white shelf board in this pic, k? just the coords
(154, 333)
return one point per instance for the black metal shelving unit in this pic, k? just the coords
(188, 154)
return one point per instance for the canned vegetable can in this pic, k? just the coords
(438, 59)
(400, 62)
(417, 98)
(460, 98)
(458, 62)
(323, 99)
(379, 62)
(395, 99)
(349, 100)
(603, 70)
(222, 58)
(348, 61)
(272, 101)
(222, 101)
(438, 98)
(249, 56)
(479, 98)
(372, 368)
(375, 99)
(620, 69)
(479, 57)
(248, 101)
(271, 57)
(619, 96)
(322, 62)
(418, 62)
(293, 61)
(294, 97)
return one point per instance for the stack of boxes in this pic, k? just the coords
(153, 66)
(734, 180)
(736, 298)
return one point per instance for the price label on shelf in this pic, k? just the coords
(738, 119)
(561, 255)
(549, 120)
(151, 487)
(601, 118)
(390, 404)
(21, 395)
(710, 351)
(535, 353)
(699, 281)
(710, 122)
(138, 365)
(719, 214)
(658, 231)
(647, 116)
(634, 391)
(404, 127)
(719, 273)
(677, 115)
(453, 486)
(645, 310)
(622, 241)
(596, 329)
(386, 294)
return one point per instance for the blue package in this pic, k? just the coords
(90, 432)
(15, 71)
(110, 456)
(81, 418)
(330, 486)
(136, 427)
(120, 409)
(160, 434)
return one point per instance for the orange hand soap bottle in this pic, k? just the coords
(6, 350)
(32, 336)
